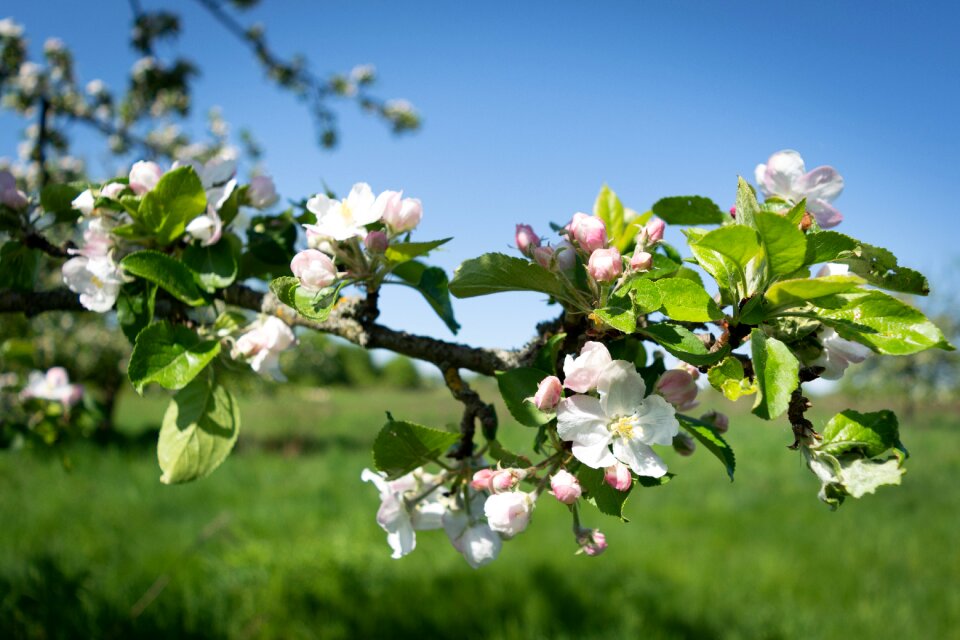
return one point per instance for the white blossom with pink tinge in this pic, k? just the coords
(785, 176)
(396, 518)
(582, 373)
(262, 344)
(54, 385)
(347, 218)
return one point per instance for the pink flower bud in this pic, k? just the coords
(641, 260)
(262, 192)
(565, 487)
(689, 368)
(719, 420)
(679, 388)
(403, 216)
(655, 230)
(509, 513)
(548, 394)
(618, 476)
(684, 444)
(376, 242)
(144, 176)
(733, 211)
(481, 479)
(592, 541)
(314, 269)
(544, 256)
(589, 232)
(527, 239)
(505, 479)
(112, 190)
(605, 265)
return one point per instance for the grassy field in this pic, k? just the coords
(281, 542)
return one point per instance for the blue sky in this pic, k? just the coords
(530, 108)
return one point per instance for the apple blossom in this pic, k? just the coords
(321, 242)
(262, 344)
(565, 487)
(592, 541)
(314, 269)
(544, 256)
(784, 176)
(720, 421)
(622, 419)
(396, 517)
(54, 385)
(496, 480)
(605, 265)
(838, 354)
(347, 218)
(641, 260)
(527, 240)
(262, 192)
(589, 231)
(684, 444)
(207, 228)
(655, 229)
(404, 217)
(618, 476)
(97, 279)
(376, 242)
(9, 194)
(84, 202)
(476, 541)
(548, 394)
(679, 388)
(509, 513)
(112, 190)
(144, 176)
(581, 373)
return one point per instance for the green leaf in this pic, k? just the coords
(795, 214)
(619, 315)
(546, 359)
(516, 385)
(169, 274)
(314, 305)
(229, 321)
(861, 477)
(661, 268)
(871, 434)
(135, 307)
(747, 205)
(498, 453)
(687, 301)
(604, 497)
(496, 272)
(404, 251)
(177, 199)
(784, 243)
(401, 447)
(777, 371)
(728, 378)
(683, 343)
(57, 199)
(731, 255)
(199, 430)
(643, 294)
(879, 321)
(19, 266)
(432, 284)
(876, 265)
(215, 266)
(791, 293)
(682, 210)
(710, 438)
(608, 208)
(271, 240)
(170, 355)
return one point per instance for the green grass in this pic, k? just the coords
(281, 542)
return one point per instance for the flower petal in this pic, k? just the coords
(581, 419)
(621, 389)
(639, 457)
(823, 183)
(596, 456)
(320, 204)
(784, 168)
(402, 541)
(361, 201)
(827, 217)
(658, 419)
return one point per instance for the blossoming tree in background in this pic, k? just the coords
(203, 270)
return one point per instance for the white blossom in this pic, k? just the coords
(509, 513)
(54, 385)
(581, 373)
(399, 519)
(785, 176)
(347, 218)
(262, 344)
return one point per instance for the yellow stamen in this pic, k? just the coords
(623, 427)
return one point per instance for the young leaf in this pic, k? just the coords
(516, 385)
(747, 205)
(710, 438)
(313, 305)
(170, 355)
(403, 251)
(215, 266)
(728, 378)
(432, 284)
(604, 497)
(876, 265)
(784, 243)
(401, 447)
(792, 293)
(135, 307)
(546, 359)
(683, 343)
(871, 434)
(199, 430)
(496, 272)
(662, 267)
(169, 274)
(608, 208)
(687, 301)
(776, 371)
(682, 210)
(730, 254)
(177, 199)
